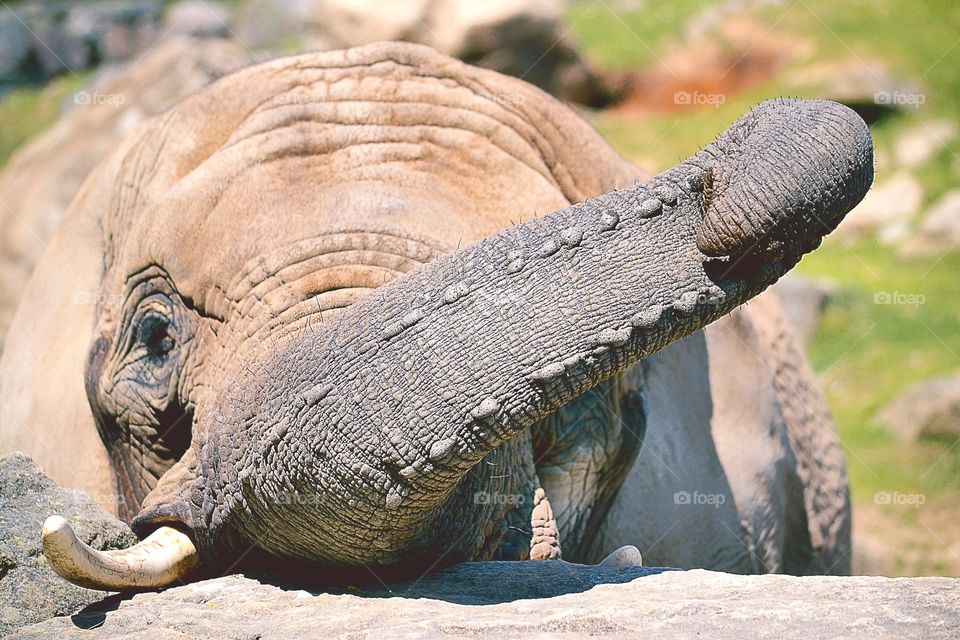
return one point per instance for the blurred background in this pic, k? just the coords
(878, 305)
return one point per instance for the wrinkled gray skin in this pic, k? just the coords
(344, 298)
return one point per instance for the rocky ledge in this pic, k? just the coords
(503, 600)
(29, 589)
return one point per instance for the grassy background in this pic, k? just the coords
(26, 112)
(865, 353)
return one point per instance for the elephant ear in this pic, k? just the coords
(43, 405)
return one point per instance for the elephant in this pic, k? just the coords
(379, 311)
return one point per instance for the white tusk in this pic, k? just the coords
(623, 558)
(164, 556)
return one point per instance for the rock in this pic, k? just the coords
(804, 302)
(55, 49)
(940, 229)
(929, 408)
(129, 28)
(29, 589)
(273, 24)
(16, 43)
(197, 18)
(887, 209)
(70, 37)
(523, 38)
(506, 600)
(918, 145)
(42, 177)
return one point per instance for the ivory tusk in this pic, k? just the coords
(164, 556)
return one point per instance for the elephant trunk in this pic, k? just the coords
(342, 439)
(784, 174)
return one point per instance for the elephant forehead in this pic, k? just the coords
(388, 135)
(209, 227)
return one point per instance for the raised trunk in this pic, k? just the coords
(355, 429)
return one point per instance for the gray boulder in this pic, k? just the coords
(887, 210)
(930, 408)
(198, 18)
(922, 142)
(29, 589)
(16, 43)
(939, 231)
(535, 600)
(70, 37)
(804, 301)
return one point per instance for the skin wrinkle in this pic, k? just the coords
(567, 180)
(330, 286)
(432, 110)
(783, 147)
(550, 157)
(336, 237)
(301, 116)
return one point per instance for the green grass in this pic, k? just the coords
(625, 39)
(26, 112)
(865, 353)
(919, 39)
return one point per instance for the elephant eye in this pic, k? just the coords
(156, 336)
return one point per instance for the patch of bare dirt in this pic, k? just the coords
(738, 54)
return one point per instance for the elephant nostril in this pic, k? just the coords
(174, 432)
(748, 265)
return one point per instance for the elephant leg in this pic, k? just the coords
(583, 452)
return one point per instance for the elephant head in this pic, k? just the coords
(316, 319)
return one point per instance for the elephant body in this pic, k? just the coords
(249, 246)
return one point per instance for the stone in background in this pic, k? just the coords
(930, 408)
(29, 589)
